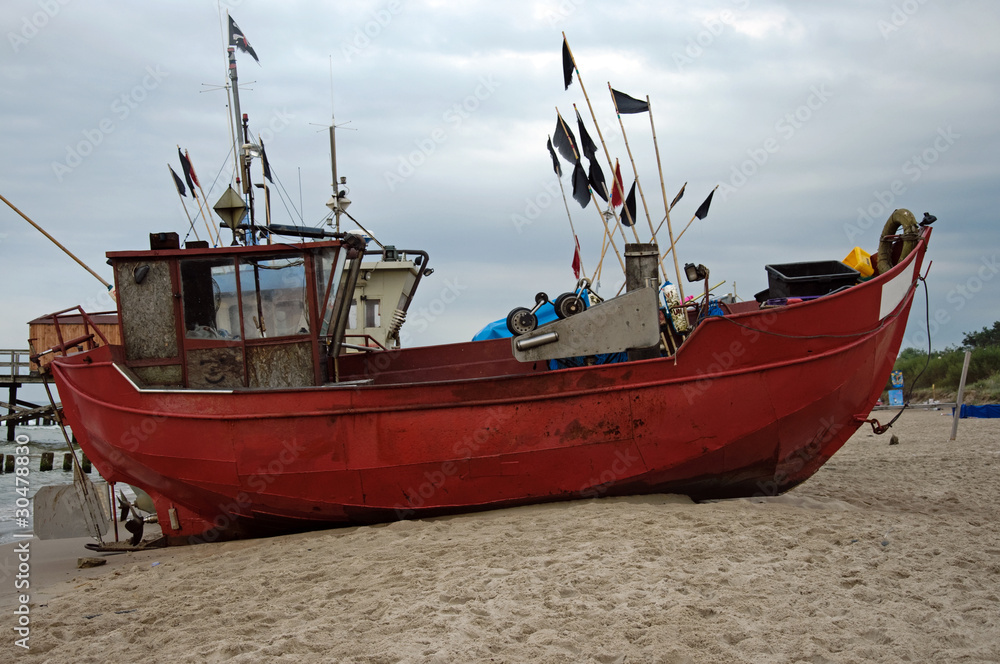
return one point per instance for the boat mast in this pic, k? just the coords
(339, 202)
(239, 147)
(333, 166)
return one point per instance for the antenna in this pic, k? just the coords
(339, 201)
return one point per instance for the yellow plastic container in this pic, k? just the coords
(860, 260)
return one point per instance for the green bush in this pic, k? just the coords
(944, 368)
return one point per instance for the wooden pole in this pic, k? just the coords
(186, 213)
(197, 200)
(693, 217)
(635, 171)
(618, 223)
(570, 217)
(594, 198)
(55, 242)
(600, 135)
(961, 395)
(666, 203)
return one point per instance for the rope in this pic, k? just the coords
(877, 427)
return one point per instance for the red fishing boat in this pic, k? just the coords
(236, 403)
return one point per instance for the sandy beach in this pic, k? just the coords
(890, 553)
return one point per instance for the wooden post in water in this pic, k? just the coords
(46, 462)
(12, 400)
(67, 461)
(961, 395)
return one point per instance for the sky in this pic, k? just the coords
(814, 119)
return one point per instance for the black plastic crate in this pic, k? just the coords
(804, 279)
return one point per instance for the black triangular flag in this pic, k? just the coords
(567, 65)
(564, 141)
(628, 215)
(679, 196)
(239, 40)
(555, 160)
(586, 143)
(581, 193)
(626, 104)
(703, 210)
(596, 179)
(177, 181)
(266, 163)
(186, 167)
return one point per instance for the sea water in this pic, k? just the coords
(40, 439)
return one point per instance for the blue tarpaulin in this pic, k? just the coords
(987, 410)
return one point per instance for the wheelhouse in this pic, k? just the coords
(261, 316)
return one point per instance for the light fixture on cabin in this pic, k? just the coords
(695, 273)
(139, 273)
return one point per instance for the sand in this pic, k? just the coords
(889, 554)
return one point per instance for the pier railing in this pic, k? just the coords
(15, 365)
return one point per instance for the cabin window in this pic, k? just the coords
(209, 293)
(373, 316)
(329, 265)
(352, 316)
(274, 297)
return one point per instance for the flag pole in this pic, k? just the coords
(191, 228)
(619, 225)
(607, 230)
(695, 216)
(198, 201)
(597, 125)
(666, 203)
(217, 238)
(569, 216)
(600, 263)
(672, 204)
(635, 171)
(55, 242)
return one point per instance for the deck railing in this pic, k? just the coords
(14, 363)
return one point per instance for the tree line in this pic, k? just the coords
(944, 368)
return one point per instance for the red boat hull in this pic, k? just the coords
(752, 404)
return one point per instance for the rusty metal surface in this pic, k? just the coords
(165, 375)
(626, 322)
(147, 319)
(285, 365)
(215, 368)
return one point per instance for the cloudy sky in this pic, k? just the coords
(815, 118)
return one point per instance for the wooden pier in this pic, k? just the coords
(15, 371)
